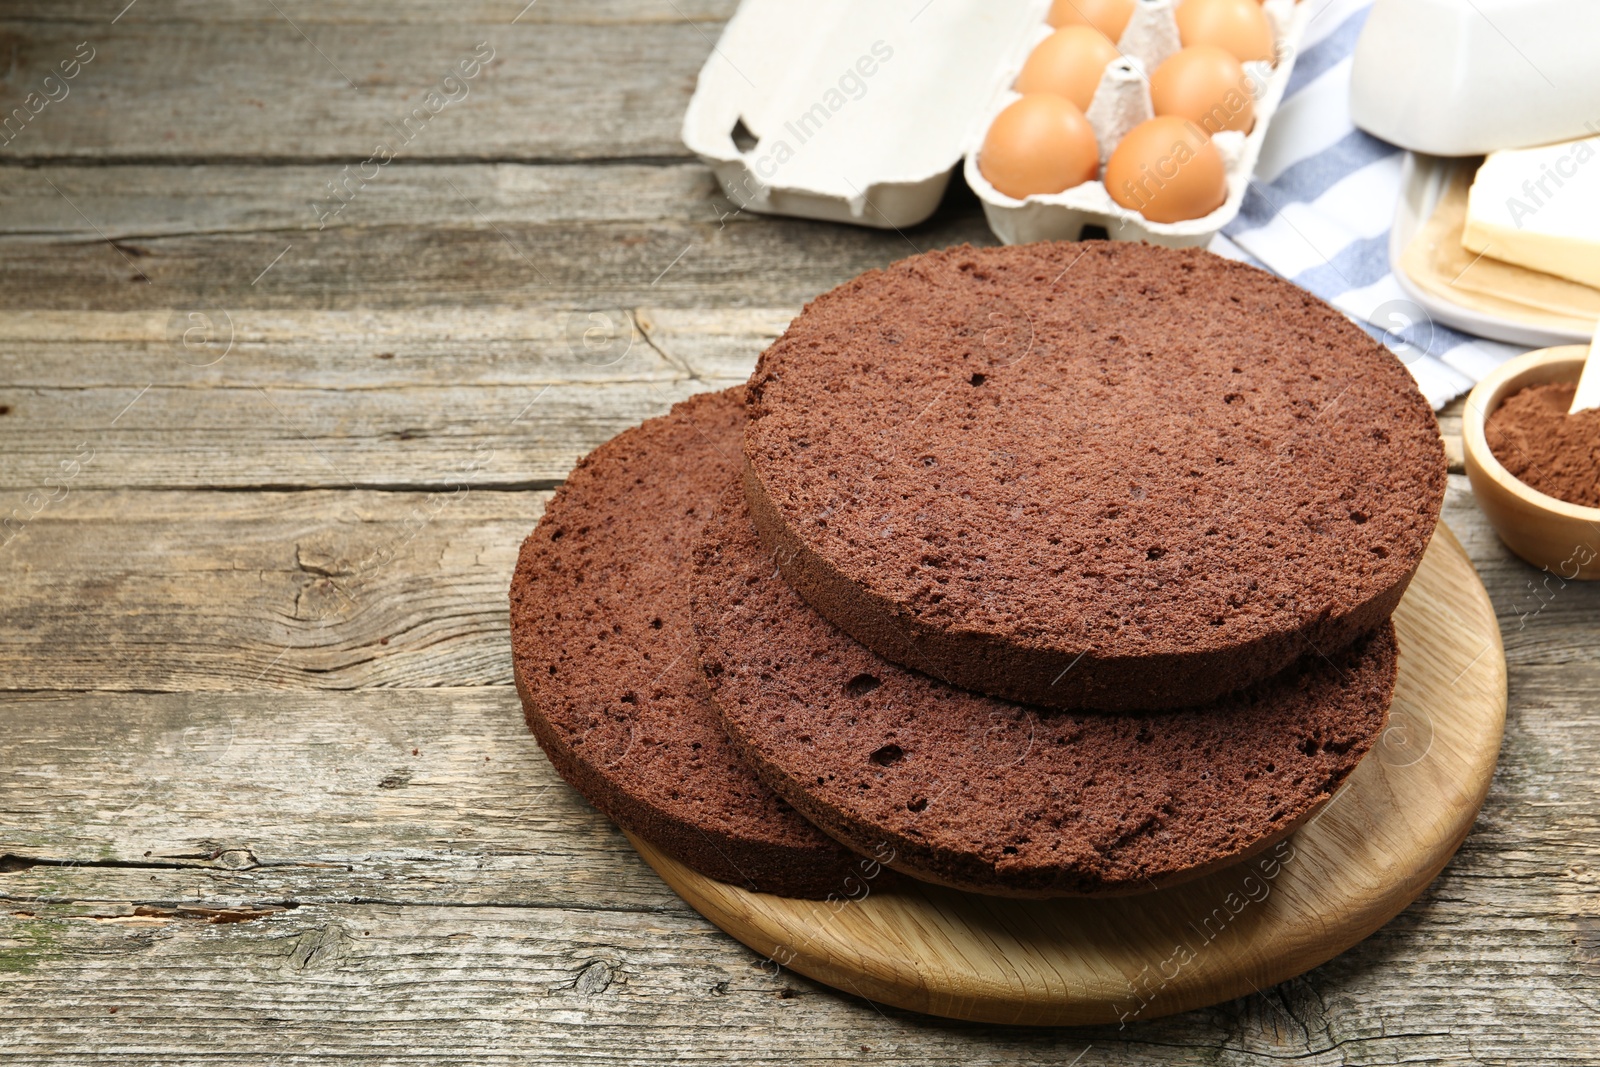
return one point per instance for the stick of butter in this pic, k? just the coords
(1540, 208)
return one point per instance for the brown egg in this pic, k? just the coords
(1068, 63)
(1110, 17)
(1237, 26)
(1167, 169)
(1206, 85)
(1039, 144)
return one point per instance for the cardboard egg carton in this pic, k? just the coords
(859, 113)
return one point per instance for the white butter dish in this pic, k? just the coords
(1449, 78)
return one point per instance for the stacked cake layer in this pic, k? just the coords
(1164, 499)
(604, 657)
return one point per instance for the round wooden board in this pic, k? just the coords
(1364, 857)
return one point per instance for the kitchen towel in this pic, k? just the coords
(1320, 207)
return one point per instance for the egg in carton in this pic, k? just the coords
(860, 113)
(1121, 103)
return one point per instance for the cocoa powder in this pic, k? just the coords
(1542, 446)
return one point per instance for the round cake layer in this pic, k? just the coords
(604, 660)
(1091, 474)
(982, 794)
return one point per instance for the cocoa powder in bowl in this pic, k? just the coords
(1534, 438)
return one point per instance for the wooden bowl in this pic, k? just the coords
(1560, 537)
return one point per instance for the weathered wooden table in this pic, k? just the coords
(288, 368)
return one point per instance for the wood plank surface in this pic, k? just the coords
(521, 986)
(433, 796)
(300, 81)
(596, 13)
(133, 203)
(432, 397)
(704, 258)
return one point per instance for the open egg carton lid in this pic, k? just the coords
(859, 113)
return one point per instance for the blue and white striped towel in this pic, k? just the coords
(1321, 207)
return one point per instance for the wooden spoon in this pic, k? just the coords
(1588, 394)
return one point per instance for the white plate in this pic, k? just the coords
(1422, 182)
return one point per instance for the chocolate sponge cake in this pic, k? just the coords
(981, 794)
(1090, 475)
(603, 657)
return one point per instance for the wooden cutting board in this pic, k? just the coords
(1367, 854)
